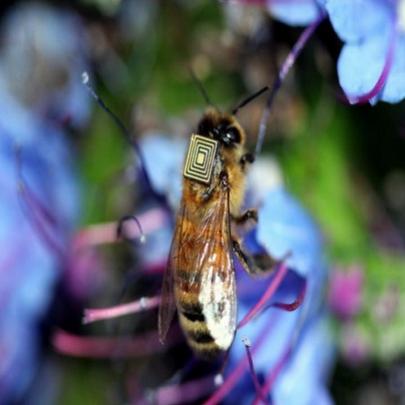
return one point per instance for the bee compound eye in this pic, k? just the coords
(231, 135)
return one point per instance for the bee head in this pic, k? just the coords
(222, 127)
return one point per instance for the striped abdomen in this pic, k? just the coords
(204, 278)
(198, 336)
(205, 282)
(194, 322)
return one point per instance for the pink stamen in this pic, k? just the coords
(242, 366)
(229, 383)
(240, 369)
(104, 347)
(98, 314)
(365, 98)
(271, 289)
(107, 233)
(184, 393)
(292, 306)
(253, 372)
(271, 378)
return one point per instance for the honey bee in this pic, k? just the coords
(200, 279)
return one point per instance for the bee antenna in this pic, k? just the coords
(124, 131)
(285, 68)
(247, 100)
(201, 88)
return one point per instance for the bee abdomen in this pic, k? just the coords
(192, 319)
(194, 316)
(198, 335)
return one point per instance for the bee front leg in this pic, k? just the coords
(249, 215)
(247, 158)
(255, 265)
(208, 193)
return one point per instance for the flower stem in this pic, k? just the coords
(253, 372)
(271, 289)
(181, 393)
(273, 375)
(99, 234)
(288, 62)
(292, 306)
(237, 373)
(129, 138)
(98, 314)
(105, 347)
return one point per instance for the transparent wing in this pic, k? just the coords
(218, 288)
(201, 263)
(167, 306)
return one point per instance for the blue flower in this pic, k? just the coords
(164, 159)
(37, 220)
(294, 12)
(372, 62)
(291, 12)
(300, 341)
(304, 335)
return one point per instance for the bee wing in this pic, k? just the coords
(167, 306)
(218, 287)
(204, 249)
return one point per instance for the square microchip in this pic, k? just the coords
(200, 159)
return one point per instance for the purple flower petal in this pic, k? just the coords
(294, 12)
(354, 20)
(277, 279)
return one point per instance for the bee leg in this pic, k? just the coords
(249, 215)
(254, 264)
(246, 158)
(223, 176)
(208, 193)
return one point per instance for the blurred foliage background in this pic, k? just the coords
(345, 163)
